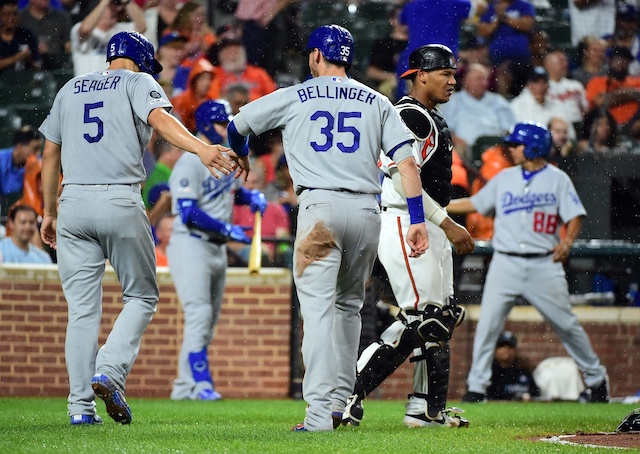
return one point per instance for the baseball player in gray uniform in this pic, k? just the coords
(423, 287)
(97, 129)
(197, 252)
(333, 129)
(531, 202)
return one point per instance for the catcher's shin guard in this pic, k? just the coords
(384, 360)
(431, 377)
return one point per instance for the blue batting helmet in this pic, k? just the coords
(535, 138)
(210, 112)
(335, 43)
(135, 47)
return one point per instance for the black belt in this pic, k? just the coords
(302, 188)
(527, 256)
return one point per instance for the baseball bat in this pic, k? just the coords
(255, 253)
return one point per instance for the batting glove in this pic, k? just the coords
(236, 233)
(258, 202)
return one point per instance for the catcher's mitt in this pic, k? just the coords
(631, 422)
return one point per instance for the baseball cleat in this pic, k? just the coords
(336, 416)
(445, 420)
(114, 400)
(353, 412)
(595, 394)
(86, 420)
(299, 428)
(209, 394)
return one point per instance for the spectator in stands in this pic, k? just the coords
(275, 222)
(591, 18)
(162, 232)
(191, 22)
(233, 68)
(267, 150)
(506, 26)
(238, 95)
(600, 133)
(474, 111)
(89, 38)
(27, 142)
(533, 104)
(52, 27)
(157, 181)
(561, 146)
(202, 85)
(592, 53)
(617, 91)
(511, 374)
(385, 54)
(18, 45)
(434, 21)
(625, 33)
(570, 93)
(268, 30)
(160, 16)
(539, 46)
(18, 248)
(171, 51)
(494, 159)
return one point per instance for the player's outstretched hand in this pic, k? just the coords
(215, 157)
(48, 231)
(243, 165)
(459, 236)
(417, 239)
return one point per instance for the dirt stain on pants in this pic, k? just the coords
(313, 247)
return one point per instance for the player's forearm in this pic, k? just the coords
(573, 228)
(461, 206)
(410, 178)
(433, 212)
(50, 177)
(173, 131)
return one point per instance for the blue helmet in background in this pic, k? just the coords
(535, 138)
(135, 47)
(335, 43)
(210, 112)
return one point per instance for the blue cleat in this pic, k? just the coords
(209, 394)
(299, 428)
(113, 398)
(86, 420)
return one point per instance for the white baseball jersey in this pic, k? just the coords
(191, 180)
(338, 148)
(528, 211)
(571, 95)
(106, 132)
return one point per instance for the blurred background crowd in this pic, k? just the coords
(572, 65)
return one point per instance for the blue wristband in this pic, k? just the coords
(416, 210)
(237, 141)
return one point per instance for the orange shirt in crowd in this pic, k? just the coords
(258, 81)
(186, 103)
(598, 86)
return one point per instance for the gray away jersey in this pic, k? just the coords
(190, 179)
(528, 215)
(100, 119)
(332, 130)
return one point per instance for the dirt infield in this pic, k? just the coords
(603, 439)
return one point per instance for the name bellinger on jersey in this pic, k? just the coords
(336, 92)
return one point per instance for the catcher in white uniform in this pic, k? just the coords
(530, 201)
(423, 287)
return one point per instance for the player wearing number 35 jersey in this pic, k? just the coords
(333, 129)
(530, 202)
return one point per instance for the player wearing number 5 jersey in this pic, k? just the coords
(530, 201)
(333, 129)
(97, 129)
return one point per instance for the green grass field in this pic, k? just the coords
(31, 425)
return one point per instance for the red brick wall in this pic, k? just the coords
(250, 354)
